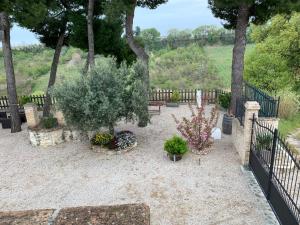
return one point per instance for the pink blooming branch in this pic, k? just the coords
(198, 129)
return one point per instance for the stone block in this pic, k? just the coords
(32, 116)
(30, 217)
(45, 138)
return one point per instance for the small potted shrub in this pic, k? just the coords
(102, 139)
(176, 147)
(174, 100)
(224, 102)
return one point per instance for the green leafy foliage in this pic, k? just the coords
(102, 139)
(101, 98)
(176, 146)
(272, 66)
(49, 122)
(175, 97)
(224, 100)
(264, 141)
(24, 100)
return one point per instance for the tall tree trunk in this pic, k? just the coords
(86, 65)
(91, 54)
(238, 55)
(139, 52)
(135, 47)
(55, 61)
(10, 74)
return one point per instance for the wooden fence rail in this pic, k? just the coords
(186, 96)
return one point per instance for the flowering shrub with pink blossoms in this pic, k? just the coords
(198, 129)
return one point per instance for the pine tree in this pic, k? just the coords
(238, 14)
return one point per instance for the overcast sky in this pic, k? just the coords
(180, 14)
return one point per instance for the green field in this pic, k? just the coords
(221, 57)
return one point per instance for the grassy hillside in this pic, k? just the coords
(32, 68)
(221, 57)
(183, 68)
(187, 67)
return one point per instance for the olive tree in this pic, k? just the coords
(107, 95)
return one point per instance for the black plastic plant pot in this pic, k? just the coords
(6, 123)
(174, 158)
(23, 117)
(172, 104)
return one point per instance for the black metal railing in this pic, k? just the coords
(277, 170)
(240, 110)
(268, 105)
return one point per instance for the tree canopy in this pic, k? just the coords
(272, 66)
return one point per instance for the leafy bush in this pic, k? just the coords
(272, 66)
(102, 139)
(175, 97)
(224, 100)
(107, 95)
(264, 141)
(49, 122)
(176, 146)
(198, 129)
(289, 104)
(24, 100)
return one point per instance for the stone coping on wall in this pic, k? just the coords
(130, 214)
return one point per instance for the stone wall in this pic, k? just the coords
(242, 134)
(274, 122)
(45, 138)
(238, 138)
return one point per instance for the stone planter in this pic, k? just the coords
(172, 104)
(73, 135)
(105, 150)
(45, 138)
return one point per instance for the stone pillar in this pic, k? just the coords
(60, 118)
(251, 107)
(32, 116)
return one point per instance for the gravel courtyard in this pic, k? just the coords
(198, 190)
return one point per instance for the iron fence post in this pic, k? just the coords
(252, 131)
(275, 137)
(278, 102)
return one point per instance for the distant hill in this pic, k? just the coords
(185, 67)
(32, 67)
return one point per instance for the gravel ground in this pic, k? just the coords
(216, 191)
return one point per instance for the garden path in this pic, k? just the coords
(214, 191)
